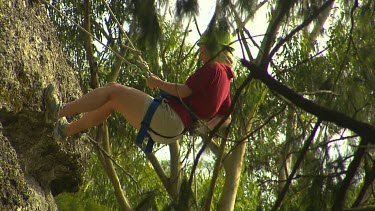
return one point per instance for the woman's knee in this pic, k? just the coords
(112, 85)
(114, 89)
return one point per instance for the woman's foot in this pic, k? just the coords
(58, 132)
(51, 104)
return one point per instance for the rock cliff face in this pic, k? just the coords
(33, 166)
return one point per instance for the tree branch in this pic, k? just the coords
(104, 153)
(94, 82)
(103, 130)
(297, 29)
(304, 150)
(352, 169)
(206, 140)
(111, 172)
(361, 128)
(215, 175)
(369, 179)
(370, 208)
(175, 165)
(159, 171)
(282, 9)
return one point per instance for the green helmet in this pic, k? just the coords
(216, 39)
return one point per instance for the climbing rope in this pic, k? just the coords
(141, 64)
(137, 53)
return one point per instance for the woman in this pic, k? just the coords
(206, 92)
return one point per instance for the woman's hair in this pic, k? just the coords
(225, 57)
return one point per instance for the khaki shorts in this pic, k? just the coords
(165, 122)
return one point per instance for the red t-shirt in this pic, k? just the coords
(210, 95)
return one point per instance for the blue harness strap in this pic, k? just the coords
(146, 124)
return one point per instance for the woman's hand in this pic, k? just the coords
(178, 90)
(153, 81)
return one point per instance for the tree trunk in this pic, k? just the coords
(175, 165)
(285, 158)
(110, 169)
(233, 166)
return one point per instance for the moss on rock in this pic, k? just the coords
(33, 165)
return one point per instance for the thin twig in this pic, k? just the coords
(113, 160)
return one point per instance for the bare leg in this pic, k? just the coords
(127, 101)
(91, 119)
(87, 102)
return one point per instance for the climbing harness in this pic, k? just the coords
(145, 125)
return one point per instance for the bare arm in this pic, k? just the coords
(216, 120)
(178, 90)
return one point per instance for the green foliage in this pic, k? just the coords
(247, 6)
(68, 202)
(337, 73)
(187, 8)
(248, 192)
(149, 24)
(139, 174)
